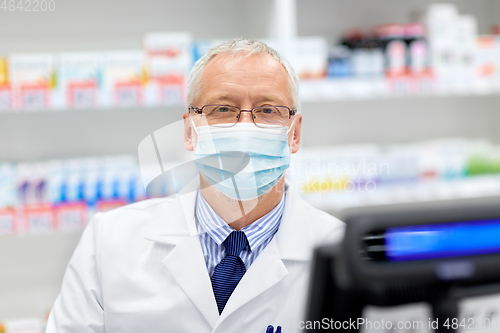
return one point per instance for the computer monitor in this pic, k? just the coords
(440, 256)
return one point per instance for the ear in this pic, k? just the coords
(188, 132)
(296, 131)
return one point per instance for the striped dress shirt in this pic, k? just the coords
(213, 230)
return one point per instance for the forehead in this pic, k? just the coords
(237, 76)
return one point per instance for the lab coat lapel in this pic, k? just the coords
(185, 261)
(187, 266)
(292, 242)
(178, 220)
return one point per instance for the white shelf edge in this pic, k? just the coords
(379, 88)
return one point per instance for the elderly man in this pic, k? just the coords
(231, 257)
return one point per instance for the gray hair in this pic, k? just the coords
(246, 47)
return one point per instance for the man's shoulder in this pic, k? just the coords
(141, 217)
(322, 227)
(143, 207)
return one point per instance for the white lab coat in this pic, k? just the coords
(140, 268)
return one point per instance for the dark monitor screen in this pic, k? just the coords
(433, 241)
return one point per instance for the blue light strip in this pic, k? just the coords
(444, 240)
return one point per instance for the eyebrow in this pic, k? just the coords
(228, 98)
(269, 98)
(218, 98)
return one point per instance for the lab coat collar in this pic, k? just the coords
(170, 231)
(294, 237)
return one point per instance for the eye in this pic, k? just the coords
(268, 110)
(222, 109)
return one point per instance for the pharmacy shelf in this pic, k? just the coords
(421, 193)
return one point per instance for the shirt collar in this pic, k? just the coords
(257, 232)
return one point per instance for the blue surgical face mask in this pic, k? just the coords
(243, 161)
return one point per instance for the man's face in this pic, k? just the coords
(245, 82)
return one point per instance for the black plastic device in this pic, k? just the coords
(437, 256)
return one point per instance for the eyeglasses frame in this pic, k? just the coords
(291, 112)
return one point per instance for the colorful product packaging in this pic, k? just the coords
(8, 175)
(8, 198)
(364, 57)
(123, 78)
(67, 215)
(487, 57)
(466, 34)
(169, 58)
(7, 220)
(309, 57)
(36, 214)
(79, 80)
(4, 73)
(440, 21)
(418, 59)
(339, 62)
(32, 78)
(5, 98)
(395, 49)
(5, 93)
(61, 195)
(200, 48)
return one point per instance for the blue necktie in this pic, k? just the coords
(230, 270)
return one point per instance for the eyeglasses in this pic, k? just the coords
(227, 116)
